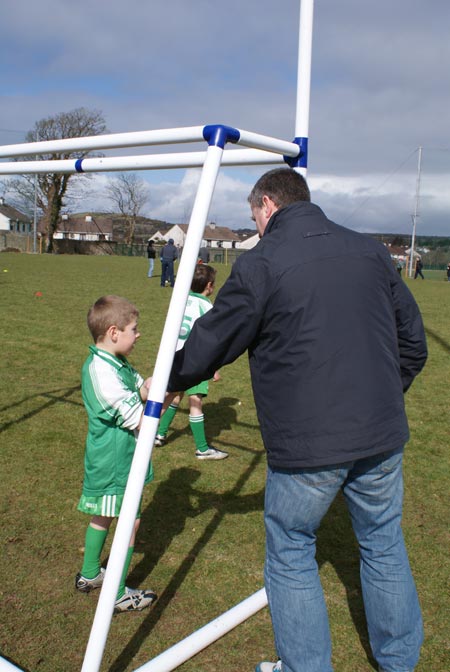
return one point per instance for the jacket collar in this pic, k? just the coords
(117, 362)
(315, 220)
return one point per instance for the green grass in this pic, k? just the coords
(201, 542)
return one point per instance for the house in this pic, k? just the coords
(248, 242)
(95, 227)
(101, 227)
(214, 236)
(13, 220)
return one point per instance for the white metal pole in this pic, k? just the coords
(304, 75)
(200, 639)
(147, 433)
(35, 210)
(139, 139)
(232, 157)
(5, 666)
(416, 213)
(110, 141)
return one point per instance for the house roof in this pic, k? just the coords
(109, 224)
(99, 223)
(13, 214)
(215, 232)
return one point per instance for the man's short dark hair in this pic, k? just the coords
(282, 185)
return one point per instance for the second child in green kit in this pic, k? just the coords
(198, 304)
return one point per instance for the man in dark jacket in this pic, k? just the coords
(168, 255)
(334, 338)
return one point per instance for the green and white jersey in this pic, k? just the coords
(110, 389)
(196, 306)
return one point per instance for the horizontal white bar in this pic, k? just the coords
(111, 141)
(142, 138)
(233, 157)
(200, 639)
(265, 142)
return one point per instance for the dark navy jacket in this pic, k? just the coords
(334, 339)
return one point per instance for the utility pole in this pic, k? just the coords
(415, 216)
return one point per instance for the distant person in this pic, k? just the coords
(399, 267)
(198, 304)
(151, 254)
(169, 254)
(335, 339)
(448, 272)
(203, 255)
(113, 395)
(419, 267)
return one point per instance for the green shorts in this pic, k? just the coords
(105, 505)
(201, 388)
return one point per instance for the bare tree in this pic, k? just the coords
(129, 194)
(53, 190)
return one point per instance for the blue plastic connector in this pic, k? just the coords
(78, 166)
(300, 161)
(153, 409)
(218, 135)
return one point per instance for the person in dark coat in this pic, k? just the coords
(334, 339)
(168, 256)
(419, 267)
(203, 255)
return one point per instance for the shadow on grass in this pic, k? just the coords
(439, 340)
(172, 506)
(219, 416)
(167, 513)
(53, 396)
(176, 500)
(337, 545)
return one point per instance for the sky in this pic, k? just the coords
(380, 89)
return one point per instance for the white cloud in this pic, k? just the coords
(380, 88)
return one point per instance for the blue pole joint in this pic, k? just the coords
(218, 135)
(78, 166)
(300, 161)
(153, 409)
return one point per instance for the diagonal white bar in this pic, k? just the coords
(6, 666)
(147, 433)
(200, 639)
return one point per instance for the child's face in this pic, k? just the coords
(127, 338)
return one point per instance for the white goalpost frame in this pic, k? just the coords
(260, 150)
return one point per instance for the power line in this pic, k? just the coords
(358, 207)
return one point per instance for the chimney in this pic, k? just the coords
(88, 218)
(65, 217)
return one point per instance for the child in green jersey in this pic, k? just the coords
(113, 394)
(197, 305)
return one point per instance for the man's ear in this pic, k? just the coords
(269, 206)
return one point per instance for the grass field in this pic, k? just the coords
(201, 543)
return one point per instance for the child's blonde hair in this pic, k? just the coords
(108, 311)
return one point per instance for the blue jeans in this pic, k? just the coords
(296, 501)
(167, 272)
(151, 265)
